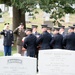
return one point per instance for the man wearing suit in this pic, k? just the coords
(30, 43)
(62, 30)
(34, 31)
(69, 39)
(74, 27)
(57, 39)
(49, 30)
(44, 39)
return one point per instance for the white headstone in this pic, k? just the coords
(56, 62)
(2, 6)
(17, 66)
(38, 6)
(17, 54)
(1, 45)
(46, 16)
(67, 18)
(1, 20)
(11, 11)
(27, 16)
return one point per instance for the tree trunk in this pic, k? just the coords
(18, 17)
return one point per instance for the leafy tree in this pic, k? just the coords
(57, 8)
(20, 7)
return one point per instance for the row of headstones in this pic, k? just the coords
(46, 16)
(50, 62)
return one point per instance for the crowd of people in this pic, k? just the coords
(30, 41)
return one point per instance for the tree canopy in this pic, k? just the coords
(57, 8)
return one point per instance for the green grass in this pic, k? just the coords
(14, 50)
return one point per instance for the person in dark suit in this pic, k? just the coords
(8, 39)
(34, 31)
(69, 39)
(74, 27)
(62, 31)
(30, 43)
(49, 30)
(44, 39)
(57, 40)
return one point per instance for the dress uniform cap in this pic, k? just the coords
(71, 27)
(29, 29)
(34, 26)
(44, 26)
(56, 29)
(62, 27)
(22, 24)
(6, 23)
(49, 28)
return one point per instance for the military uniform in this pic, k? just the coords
(30, 45)
(63, 34)
(36, 34)
(20, 34)
(62, 29)
(34, 28)
(69, 41)
(8, 41)
(44, 40)
(57, 41)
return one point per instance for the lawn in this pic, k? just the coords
(14, 50)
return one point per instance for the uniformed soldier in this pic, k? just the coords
(57, 39)
(74, 27)
(69, 40)
(62, 30)
(44, 39)
(30, 43)
(20, 32)
(49, 30)
(34, 31)
(8, 39)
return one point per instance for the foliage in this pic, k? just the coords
(57, 8)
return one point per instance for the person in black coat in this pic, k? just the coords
(49, 30)
(62, 31)
(30, 43)
(34, 31)
(57, 40)
(69, 39)
(8, 39)
(44, 39)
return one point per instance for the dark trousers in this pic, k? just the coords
(7, 50)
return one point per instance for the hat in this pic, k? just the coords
(29, 29)
(49, 28)
(44, 26)
(34, 26)
(71, 27)
(22, 24)
(74, 25)
(62, 27)
(6, 23)
(57, 29)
